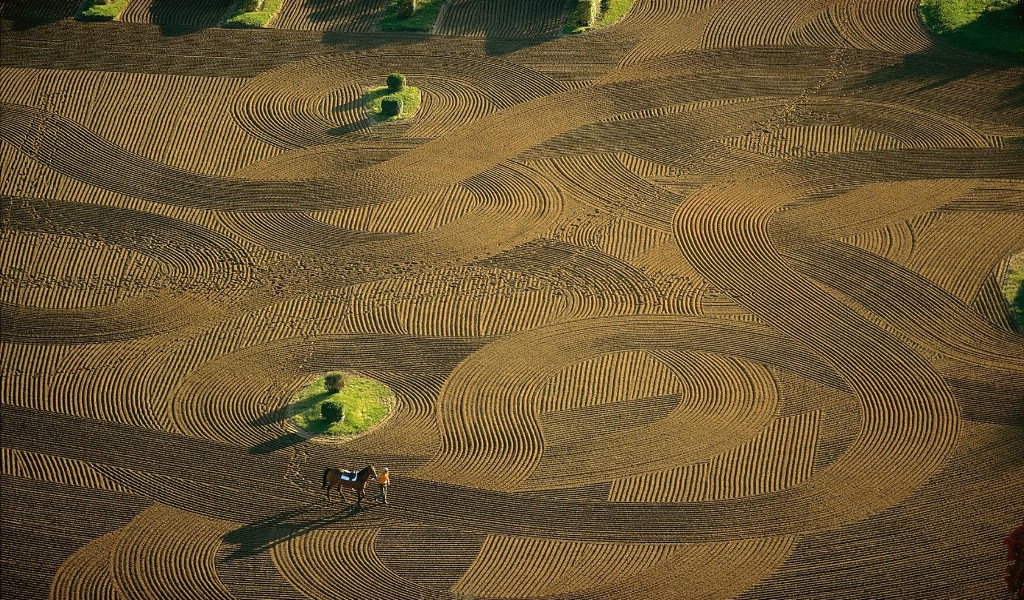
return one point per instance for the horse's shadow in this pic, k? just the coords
(264, 534)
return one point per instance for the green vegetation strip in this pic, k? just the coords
(611, 12)
(366, 403)
(1013, 289)
(989, 26)
(243, 16)
(101, 10)
(410, 97)
(422, 20)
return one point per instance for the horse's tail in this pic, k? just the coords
(326, 471)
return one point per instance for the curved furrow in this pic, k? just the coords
(67, 143)
(724, 403)
(331, 15)
(781, 456)
(885, 463)
(524, 567)
(86, 574)
(489, 407)
(498, 19)
(296, 233)
(135, 317)
(515, 202)
(666, 27)
(213, 403)
(862, 209)
(893, 242)
(411, 215)
(447, 105)
(56, 469)
(168, 551)
(661, 136)
(987, 491)
(615, 192)
(189, 256)
(313, 101)
(343, 564)
(889, 25)
(346, 154)
(823, 28)
(729, 28)
(813, 139)
(432, 557)
(981, 240)
(176, 15)
(473, 301)
(578, 274)
(990, 303)
(49, 271)
(614, 377)
(180, 120)
(901, 296)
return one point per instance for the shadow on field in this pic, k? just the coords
(26, 14)
(184, 17)
(260, 536)
(939, 66)
(279, 443)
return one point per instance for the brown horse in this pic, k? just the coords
(336, 478)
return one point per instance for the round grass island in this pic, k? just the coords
(367, 403)
(397, 93)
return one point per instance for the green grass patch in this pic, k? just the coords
(366, 403)
(98, 10)
(611, 12)
(242, 17)
(410, 97)
(422, 20)
(988, 26)
(1013, 289)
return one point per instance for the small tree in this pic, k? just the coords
(406, 8)
(332, 411)
(391, 107)
(396, 82)
(334, 382)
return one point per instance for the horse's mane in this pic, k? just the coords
(364, 472)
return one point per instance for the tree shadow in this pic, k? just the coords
(496, 20)
(184, 17)
(264, 534)
(939, 66)
(27, 14)
(280, 414)
(503, 26)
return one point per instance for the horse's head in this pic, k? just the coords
(367, 473)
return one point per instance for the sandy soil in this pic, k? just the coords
(701, 305)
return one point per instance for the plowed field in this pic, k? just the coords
(702, 305)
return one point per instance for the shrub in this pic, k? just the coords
(587, 12)
(334, 382)
(252, 5)
(332, 411)
(391, 107)
(396, 82)
(406, 8)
